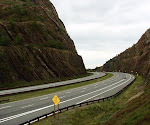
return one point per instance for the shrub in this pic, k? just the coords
(22, 14)
(27, 3)
(4, 38)
(19, 40)
(4, 70)
(18, 13)
(54, 44)
(5, 41)
(141, 53)
(35, 26)
(1, 13)
(30, 46)
(40, 18)
(27, 68)
(12, 24)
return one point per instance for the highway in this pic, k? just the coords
(52, 85)
(21, 111)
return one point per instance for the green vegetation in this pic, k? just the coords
(12, 24)
(4, 70)
(54, 44)
(1, 13)
(4, 38)
(25, 21)
(36, 26)
(20, 11)
(141, 53)
(52, 90)
(116, 111)
(30, 46)
(19, 40)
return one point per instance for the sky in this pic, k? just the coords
(101, 29)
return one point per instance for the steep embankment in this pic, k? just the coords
(136, 58)
(34, 44)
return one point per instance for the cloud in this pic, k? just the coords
(95, 58)
(103, 27)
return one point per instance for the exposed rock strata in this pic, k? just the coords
(34, 44)
(136, 58)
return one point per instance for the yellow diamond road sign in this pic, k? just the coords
(56, 100)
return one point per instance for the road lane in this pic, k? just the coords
(41, 105)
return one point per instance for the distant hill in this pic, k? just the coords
(34, 44)
(136, 58)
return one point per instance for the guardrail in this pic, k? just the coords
(74, 106)
(4, 100)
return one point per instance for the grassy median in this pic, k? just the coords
(129, 108)
(52, 90)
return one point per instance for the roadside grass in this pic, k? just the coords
(116, 111)
(20, 84)
(51, 90)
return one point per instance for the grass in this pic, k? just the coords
(116, 111)
(52, 90)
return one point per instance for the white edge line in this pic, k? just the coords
(5, 107)
(27, 106)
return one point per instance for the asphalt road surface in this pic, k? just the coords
(21, 111)
(51, 85)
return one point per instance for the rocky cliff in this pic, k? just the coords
(136, 58)
(34, 44)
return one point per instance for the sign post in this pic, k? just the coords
(54, 110)
(56, 102)
(58, 111)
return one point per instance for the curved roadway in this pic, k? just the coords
(21, 111)
(52, 85)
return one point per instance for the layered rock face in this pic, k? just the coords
(34, 44)
(136, 58)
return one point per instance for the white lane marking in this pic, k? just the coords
(83, 91)
(61, 97)
(68, 92)
(44, 98)
(5, 107)
(104, 91)
(85, 88)
(29, 112)
(26, 106)
(22, 114)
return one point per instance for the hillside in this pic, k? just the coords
(34, 44)
(136, 58)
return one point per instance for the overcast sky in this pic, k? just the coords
(101, 29)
